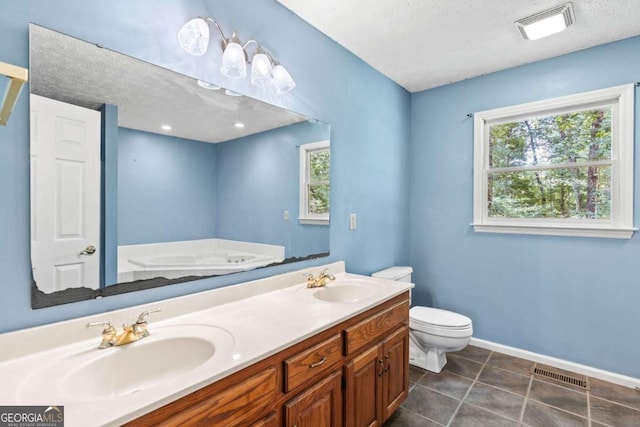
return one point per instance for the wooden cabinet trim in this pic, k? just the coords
(270, 420)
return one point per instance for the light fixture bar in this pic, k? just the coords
(546, 23)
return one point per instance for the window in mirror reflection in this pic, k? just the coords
(314, 183)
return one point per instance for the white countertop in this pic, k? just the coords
(259, 319)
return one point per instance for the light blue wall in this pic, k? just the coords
(258, 179)
(572, 298)
(166, 188)
(368, 113)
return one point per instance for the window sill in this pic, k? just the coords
(569, 231)
(313, 221)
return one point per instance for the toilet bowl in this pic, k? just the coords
(432, 332)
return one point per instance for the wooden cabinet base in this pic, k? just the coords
(302, 386)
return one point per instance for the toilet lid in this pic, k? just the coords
(436, 317)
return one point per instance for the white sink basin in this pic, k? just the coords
(166, 355)
(345, 291)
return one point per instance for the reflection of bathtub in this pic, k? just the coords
(193, 258)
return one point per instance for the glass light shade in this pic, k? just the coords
(260, 70)
(194, 36)
(282, 80)
(234, 63)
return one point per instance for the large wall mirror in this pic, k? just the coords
(143, 177)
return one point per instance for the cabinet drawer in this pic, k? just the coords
(371, 328)
(312, 362)
(232, 407)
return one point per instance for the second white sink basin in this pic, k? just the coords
(165, 356)
(345, 291)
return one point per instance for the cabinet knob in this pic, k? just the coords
(388, 360)
(381, 367)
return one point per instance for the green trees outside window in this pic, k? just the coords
(556, 166)
(319, 165)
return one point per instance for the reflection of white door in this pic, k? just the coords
(65, 195)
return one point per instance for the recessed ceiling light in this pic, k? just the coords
(208, 85)
(546, 23)
(231, 93)
(165, 127)
(239, 125)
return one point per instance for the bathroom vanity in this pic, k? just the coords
(265, 353)
(361, 363)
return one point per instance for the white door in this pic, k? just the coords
(65, 195)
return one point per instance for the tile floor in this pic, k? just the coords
(481, 388)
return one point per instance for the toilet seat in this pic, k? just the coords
(439, 322)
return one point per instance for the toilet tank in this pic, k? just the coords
(397, 273)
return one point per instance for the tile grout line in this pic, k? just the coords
(475, 380)
(491, 411)
(566, 411)
(526, 400)
(589, 407)
(624, 405)
(415, 413)
(422, 416)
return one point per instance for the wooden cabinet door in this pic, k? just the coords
(363, 378)
(318, 406)
(395, 381)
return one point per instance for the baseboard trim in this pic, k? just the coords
(600, 374)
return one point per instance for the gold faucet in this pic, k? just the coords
(130, 333)
(321, 280)
(127, 336)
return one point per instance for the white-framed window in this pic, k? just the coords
(562, 166)
(314, 183)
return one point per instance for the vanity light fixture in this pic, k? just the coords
(546, 23)
(265, 70)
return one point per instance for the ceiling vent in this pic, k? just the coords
(546, 23)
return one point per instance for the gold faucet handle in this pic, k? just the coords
(108, 333)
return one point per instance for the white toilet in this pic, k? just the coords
(432, 331)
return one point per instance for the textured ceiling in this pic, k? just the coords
(422, 44)
(147, 96)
